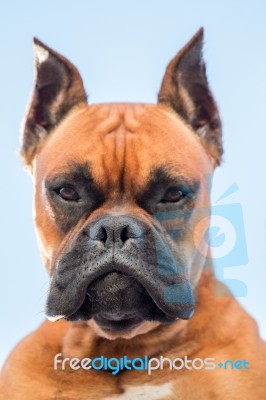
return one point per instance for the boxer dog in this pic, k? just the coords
(121, 208)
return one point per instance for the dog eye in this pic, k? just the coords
(172, 195)
(68, 194)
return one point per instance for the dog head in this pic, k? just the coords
(122, 193)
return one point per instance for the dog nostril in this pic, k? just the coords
(102, 235)
(124, 236)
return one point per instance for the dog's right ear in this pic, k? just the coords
(58, 87)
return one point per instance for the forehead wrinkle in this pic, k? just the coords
(113, 155)
(116, 142)
(131, 123)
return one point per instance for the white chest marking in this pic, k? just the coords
(144, 392)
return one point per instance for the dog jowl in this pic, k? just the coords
(104, 175)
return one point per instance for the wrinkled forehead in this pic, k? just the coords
(123, 140)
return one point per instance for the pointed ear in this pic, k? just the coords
(185, 89)
(58, 87)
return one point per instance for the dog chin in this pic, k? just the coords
(140, 329)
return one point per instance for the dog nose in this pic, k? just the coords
(115, 229)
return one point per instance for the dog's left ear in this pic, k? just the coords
(58, 87)
(185, 89)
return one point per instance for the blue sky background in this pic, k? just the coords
(121, 49)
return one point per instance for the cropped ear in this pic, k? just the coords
(185, 89)
(58, 87)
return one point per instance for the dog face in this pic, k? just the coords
(121, 194)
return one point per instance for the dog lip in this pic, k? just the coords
(116, 316)
(59, 304)
(117, 324)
